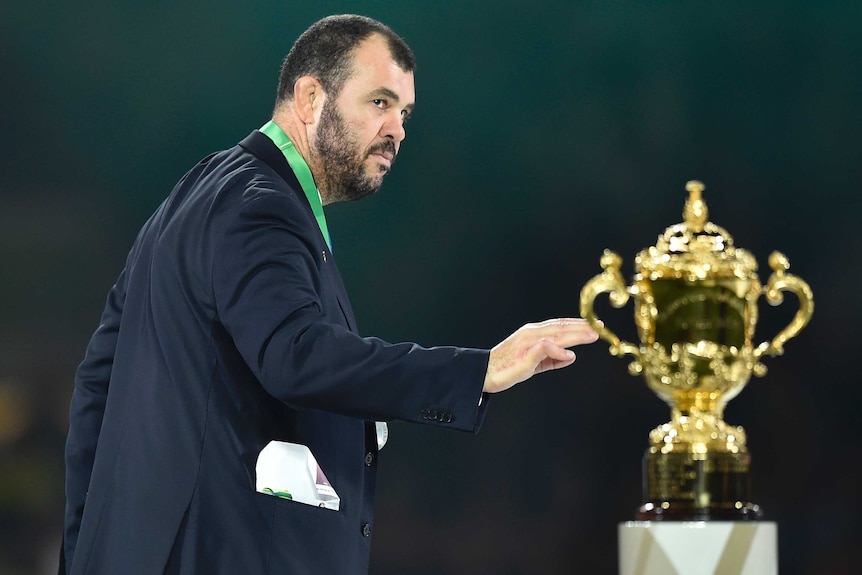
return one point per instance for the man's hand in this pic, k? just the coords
(534, 348)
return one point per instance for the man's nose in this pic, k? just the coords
(394, 128)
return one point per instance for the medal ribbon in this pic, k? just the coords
(302, 172)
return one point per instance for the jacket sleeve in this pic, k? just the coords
(267, 282)
(87, 409)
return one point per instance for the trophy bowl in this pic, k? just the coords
(695, 309)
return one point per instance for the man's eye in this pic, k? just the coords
(380, 103)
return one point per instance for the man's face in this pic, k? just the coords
(360, 132)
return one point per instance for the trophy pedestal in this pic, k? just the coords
(698, 548)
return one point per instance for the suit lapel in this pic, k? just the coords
(262, 147)
(344, 301)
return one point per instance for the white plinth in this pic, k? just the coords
(698, 548)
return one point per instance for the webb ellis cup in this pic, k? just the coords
(695, 309)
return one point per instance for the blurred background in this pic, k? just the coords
(545, 131)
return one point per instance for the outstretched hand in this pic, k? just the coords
(534, 348)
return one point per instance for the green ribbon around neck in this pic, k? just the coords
(303, 174)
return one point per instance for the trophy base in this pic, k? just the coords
(698, 548)
(688, 512)
(697, 487)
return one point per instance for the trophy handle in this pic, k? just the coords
(609, 281)
(781, 281)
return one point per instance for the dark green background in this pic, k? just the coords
(545, 131)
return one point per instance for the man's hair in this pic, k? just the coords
(325, 51)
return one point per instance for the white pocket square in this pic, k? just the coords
(290, 471)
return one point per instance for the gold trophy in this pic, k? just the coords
(696, 308)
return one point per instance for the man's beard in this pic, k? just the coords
(336, 149)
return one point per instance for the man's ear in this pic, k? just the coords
(308, 97)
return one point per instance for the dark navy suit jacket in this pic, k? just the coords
(230, 327)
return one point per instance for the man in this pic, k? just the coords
(230, 328)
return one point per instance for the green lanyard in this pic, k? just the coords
(302, 172)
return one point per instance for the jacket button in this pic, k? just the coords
(366, 530)
(432, 414)
(369, 459)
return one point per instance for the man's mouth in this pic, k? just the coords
(385, 153)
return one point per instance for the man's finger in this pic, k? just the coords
(545, 354)
(554, 328)
(568, 336)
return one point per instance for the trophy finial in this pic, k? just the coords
(695, 212)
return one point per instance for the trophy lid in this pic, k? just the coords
(695, 249)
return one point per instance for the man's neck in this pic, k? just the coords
(297, 131)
